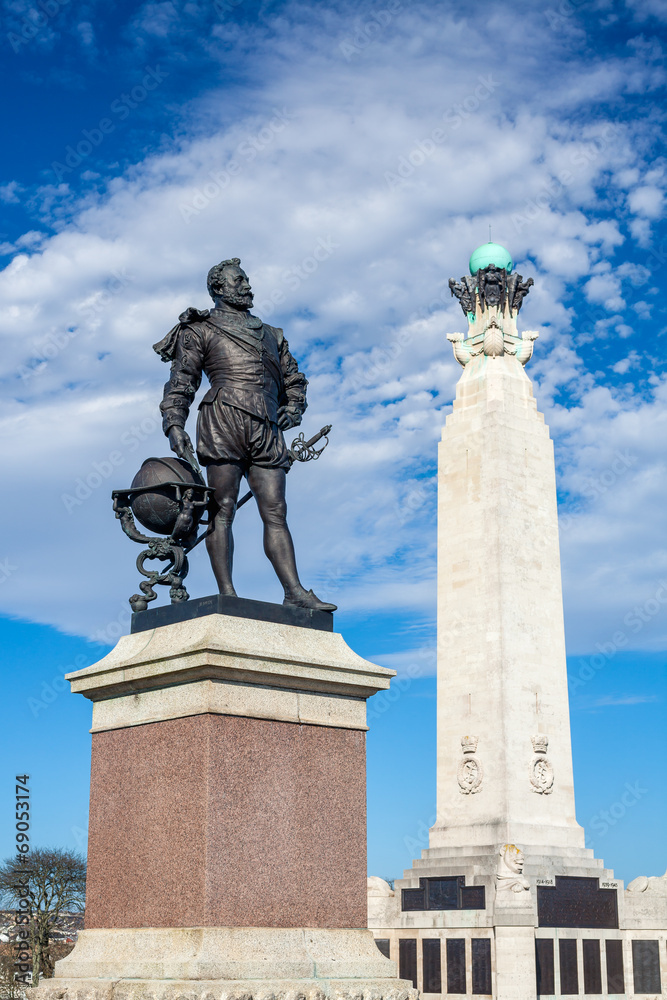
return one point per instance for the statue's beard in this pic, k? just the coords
(239, 300)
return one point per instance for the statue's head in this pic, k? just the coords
(228, 282)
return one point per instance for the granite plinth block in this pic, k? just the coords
(228, 777)
(215, 820)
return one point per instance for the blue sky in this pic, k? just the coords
(145, 142)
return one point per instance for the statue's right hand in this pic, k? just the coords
(180, 443)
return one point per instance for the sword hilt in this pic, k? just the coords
(301, 451)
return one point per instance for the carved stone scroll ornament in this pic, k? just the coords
(509, 876)
(655, 884)
(470, 772)
(541, 771)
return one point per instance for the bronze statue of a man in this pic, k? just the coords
(256, 392)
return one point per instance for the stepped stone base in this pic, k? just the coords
(540, 862)
(225, 963)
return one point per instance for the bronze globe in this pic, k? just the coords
(158, 508)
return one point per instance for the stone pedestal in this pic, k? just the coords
(227, 844)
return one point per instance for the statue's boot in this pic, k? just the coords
(307, 599)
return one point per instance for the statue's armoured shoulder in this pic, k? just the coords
(166, 347)
(193, 315)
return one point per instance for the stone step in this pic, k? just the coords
(544, 850)
(486, 866)
(489, 862)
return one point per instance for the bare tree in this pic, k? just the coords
(10, 989)
(44, 884)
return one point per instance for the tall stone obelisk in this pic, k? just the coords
(504, 750)
(506, 862)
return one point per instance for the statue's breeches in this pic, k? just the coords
(227, 434)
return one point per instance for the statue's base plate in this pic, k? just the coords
(238, 607)
(225, 989)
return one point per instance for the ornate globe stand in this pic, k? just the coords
(189, 500)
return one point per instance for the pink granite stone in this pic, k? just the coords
(216, 820)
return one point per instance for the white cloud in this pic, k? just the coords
(86, 33)
(606, 289)
(9, 193)
(647, 201)
(643, 309)
(411, 663)
(629, 699)
(623, 366)
(303, 164)
(645, 9)
(636, 274)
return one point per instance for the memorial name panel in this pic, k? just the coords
(481, 966)
(615, 973)
(544, 967)
(592, 967)
(569, 972)
(407, 960)
(577, 902)
(456, 965)
(432, 965)
(646, 966)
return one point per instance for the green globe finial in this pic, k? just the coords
(490, 253)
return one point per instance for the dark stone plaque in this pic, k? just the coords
(576, 902)
(615, 974)
(456, 965)
(544, 967)
(592, 967)
(432, 968)
(473, 897)
(443, 893)
(407, 960)
(646, 966)
(383, 945)
(450, 893)
(481, 966)
(239, 607)
(569, 971)
(413, 899)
